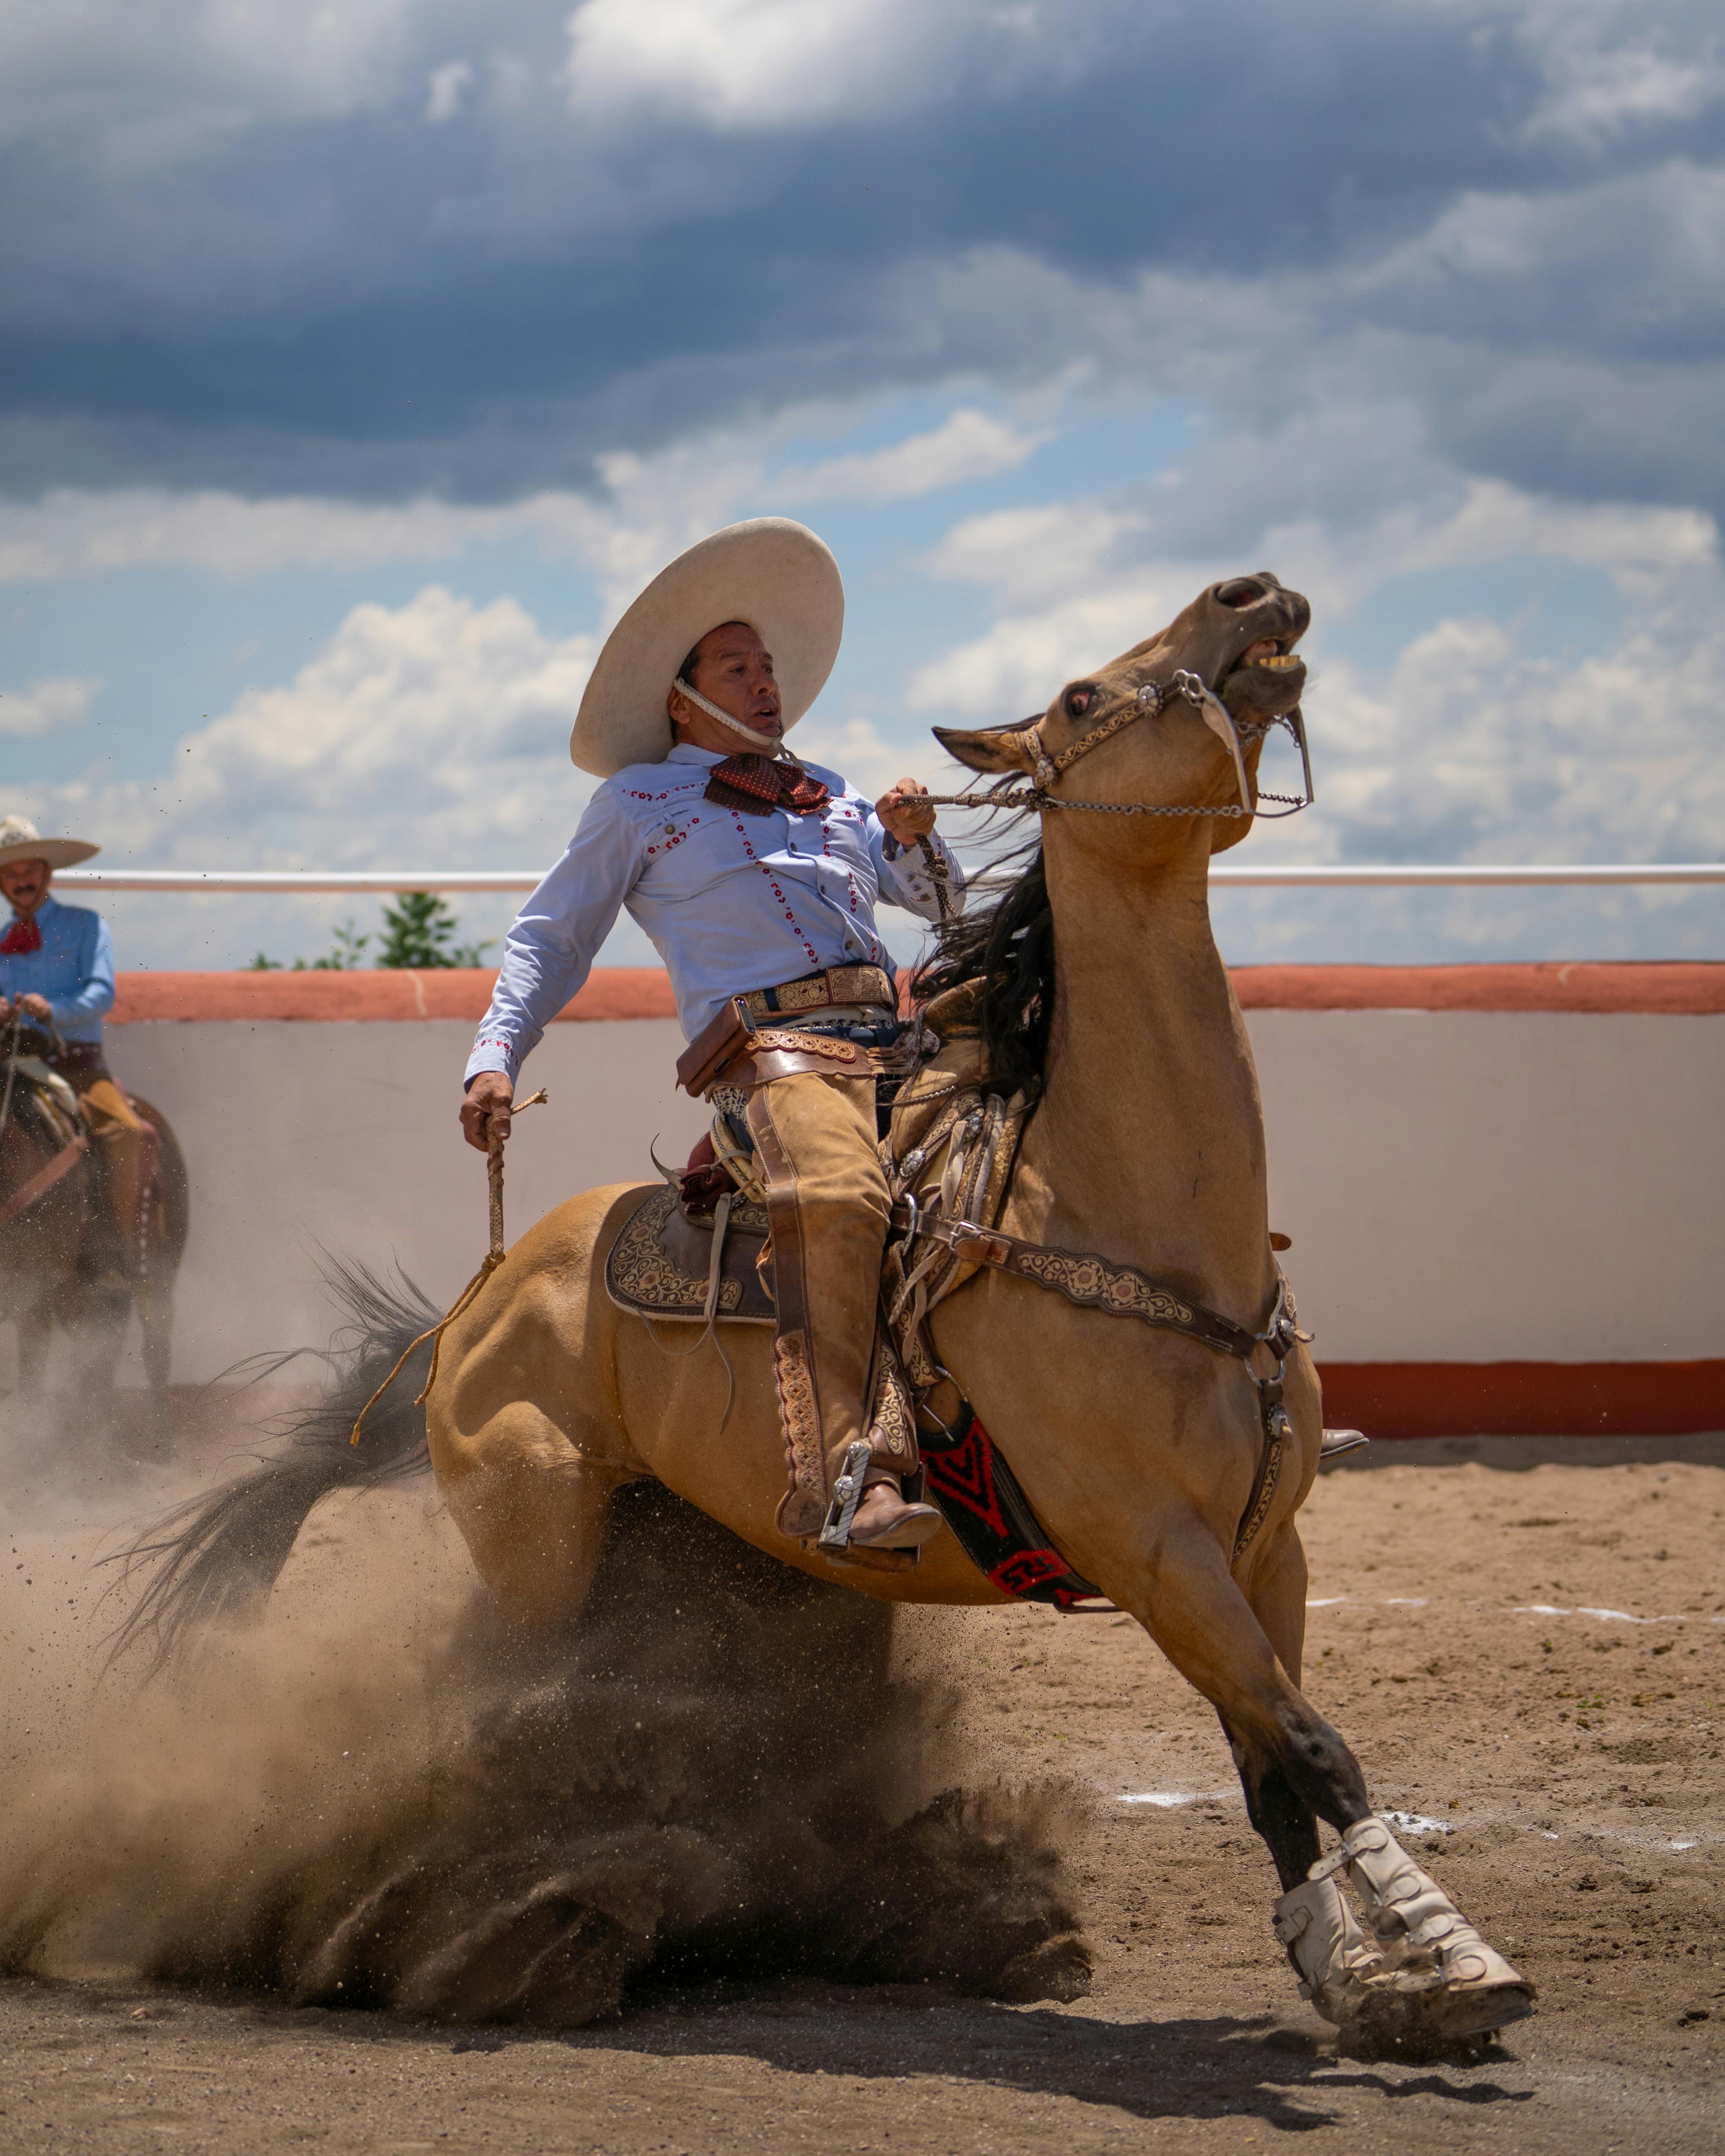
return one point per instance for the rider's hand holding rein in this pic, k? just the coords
(906, 817)
(36, 1007)
(486, 1111)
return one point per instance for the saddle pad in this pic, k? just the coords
(658, 1264)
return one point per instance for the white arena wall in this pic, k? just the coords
(1505, 1185)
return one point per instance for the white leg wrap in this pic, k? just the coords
(1439, 1951)
(1336, 1963)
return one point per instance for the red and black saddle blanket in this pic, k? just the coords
(969, 1479)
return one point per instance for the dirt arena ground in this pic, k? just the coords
(1530, 1660)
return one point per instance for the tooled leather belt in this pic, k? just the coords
(813, 992)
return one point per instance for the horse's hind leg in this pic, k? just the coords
(1446, 1982)
(530, 1506)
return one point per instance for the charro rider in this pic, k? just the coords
(57, 976)
(756, 878)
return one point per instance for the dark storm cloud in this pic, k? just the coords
(1511, 217)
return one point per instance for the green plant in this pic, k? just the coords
(419, 932)
(345, 953)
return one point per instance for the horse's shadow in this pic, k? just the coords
(1187, 2067)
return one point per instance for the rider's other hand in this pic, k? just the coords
(485, 1109)
(36, 1007)
(905, 811)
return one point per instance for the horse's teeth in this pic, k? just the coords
(1277, 659)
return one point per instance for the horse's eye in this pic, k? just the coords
(1080, 698)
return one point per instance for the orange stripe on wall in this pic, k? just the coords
(1680, 988)
(1524, 1399)
(455, 991)
(642, 992)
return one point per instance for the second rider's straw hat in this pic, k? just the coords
(771, 573)
(21, 841)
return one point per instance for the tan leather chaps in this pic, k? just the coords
(827, 1204)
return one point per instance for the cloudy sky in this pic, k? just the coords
(361, 359)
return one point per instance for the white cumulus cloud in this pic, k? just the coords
(446, 88)
(769, 64)
(437, 731)
(430, 735)
(969, 445)
(1609, 66)
(47, 708)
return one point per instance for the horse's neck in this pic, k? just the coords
(1151, 1128)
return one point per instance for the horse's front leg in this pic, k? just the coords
(1286, 1819)
(1437, 1976)
(1338, 1967)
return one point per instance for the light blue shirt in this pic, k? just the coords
(730, 901)
(74, 969)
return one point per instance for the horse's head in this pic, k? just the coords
(1108, 738)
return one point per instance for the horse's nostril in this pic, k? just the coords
(1240, 591)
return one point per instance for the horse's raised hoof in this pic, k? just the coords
(1416, 2011)
(1455, 1984)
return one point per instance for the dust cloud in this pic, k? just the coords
(368, 1798)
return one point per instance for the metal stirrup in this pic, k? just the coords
(847, 1496)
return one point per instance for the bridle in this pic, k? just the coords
(1147, 703)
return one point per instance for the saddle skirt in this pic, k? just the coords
(661, 1266)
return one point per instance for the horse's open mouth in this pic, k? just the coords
(1267, 677)
(1275, 652)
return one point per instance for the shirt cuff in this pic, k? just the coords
(908, 875)
(491, 1052)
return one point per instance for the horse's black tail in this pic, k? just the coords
(215, 1557)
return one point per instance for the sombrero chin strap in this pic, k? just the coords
(768, 744)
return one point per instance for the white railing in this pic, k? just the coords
(358, 881)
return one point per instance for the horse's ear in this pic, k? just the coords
(991, 748)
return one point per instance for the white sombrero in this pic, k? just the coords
(770, 573)
(21, 841)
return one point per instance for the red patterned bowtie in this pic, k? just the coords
(22, 938)
(758, 784)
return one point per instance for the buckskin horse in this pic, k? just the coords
(53, 1215)
(1124, 1336)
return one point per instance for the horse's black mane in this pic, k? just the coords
(1005, 952)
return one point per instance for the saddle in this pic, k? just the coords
(43, 1103)
(697, 1252)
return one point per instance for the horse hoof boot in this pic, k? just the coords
(1339, 1970)
(1463, 1986)
(883, 1521)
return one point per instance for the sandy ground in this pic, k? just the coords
(1532, 1662)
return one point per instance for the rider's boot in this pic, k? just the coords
(886, 1519)
(828, 1206)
